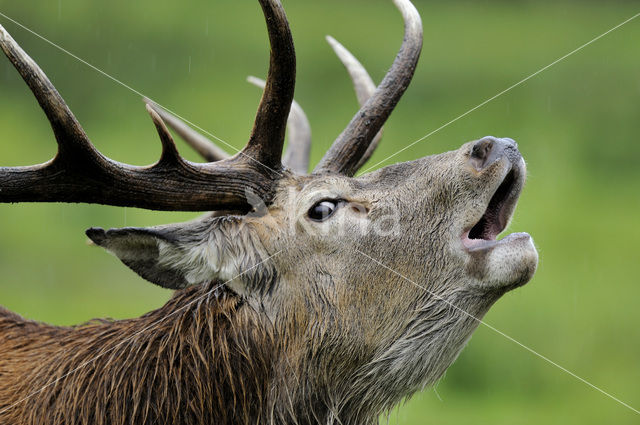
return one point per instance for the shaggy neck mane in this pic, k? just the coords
(178, 364)
(205, 357)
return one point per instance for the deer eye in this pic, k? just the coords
(323, 209)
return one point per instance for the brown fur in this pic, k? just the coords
(179, 364)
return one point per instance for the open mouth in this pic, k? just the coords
(497, 215)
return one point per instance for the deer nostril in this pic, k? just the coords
(510, 142)
(481, 151)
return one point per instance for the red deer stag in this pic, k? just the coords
(298, 301)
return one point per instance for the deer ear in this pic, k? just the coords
(140, 250)
(180, 255)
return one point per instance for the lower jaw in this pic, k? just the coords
(500, 266)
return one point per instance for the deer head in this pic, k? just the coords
(375, 282)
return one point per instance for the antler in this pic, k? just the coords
(79, 173)
(364, 86)
(267, 137)
(352, 144)
(201, 144)
(296, 156)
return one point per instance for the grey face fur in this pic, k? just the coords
(399, 273)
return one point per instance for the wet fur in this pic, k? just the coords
(209, 357)
(201, 359)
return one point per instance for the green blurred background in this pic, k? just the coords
(577, 124)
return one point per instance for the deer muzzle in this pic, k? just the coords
(513, 259)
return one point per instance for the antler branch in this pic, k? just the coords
(350, 146)
(267, 138)
(201, 144)
(296, 156)
(298, 150)
(363, 85)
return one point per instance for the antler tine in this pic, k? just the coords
(267, 138)
(170, 153)
(205, 147)
(364, 87)
(296, 156)
(71, 138)
(345, 153)
(362, 81)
